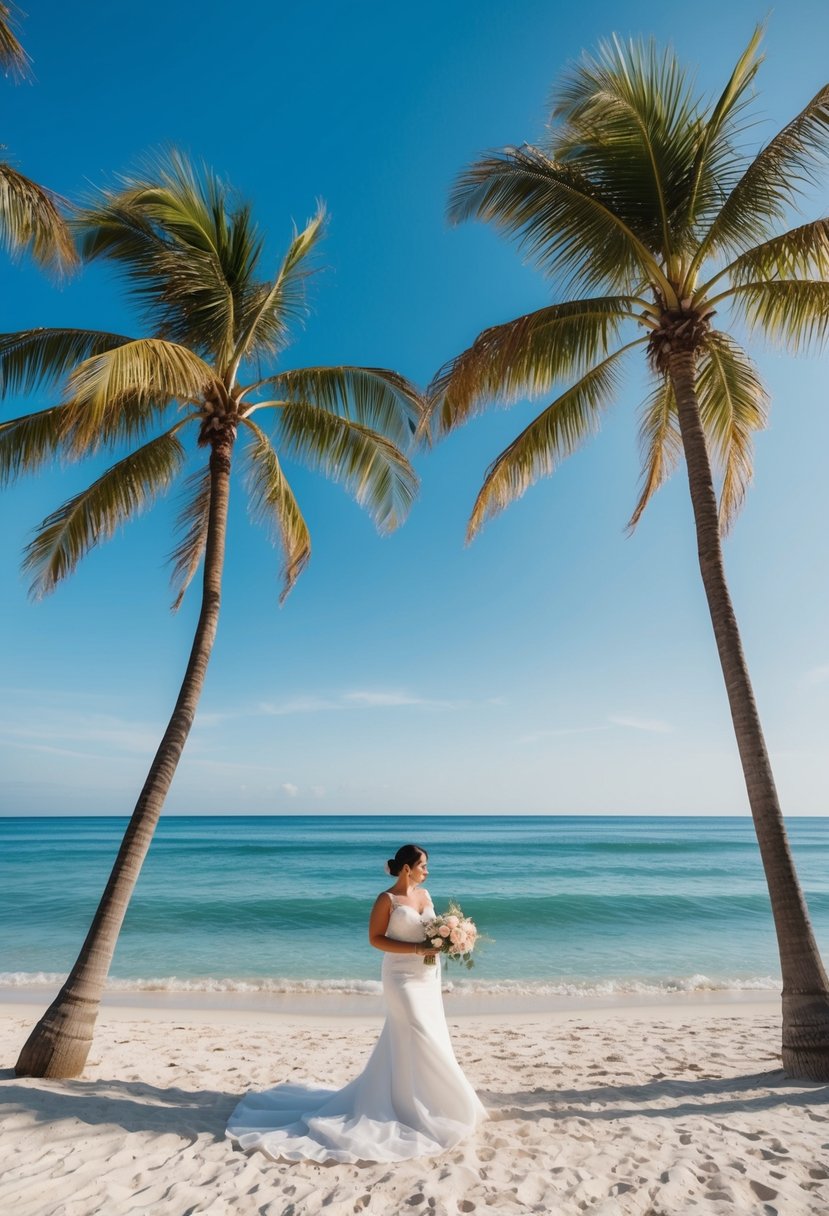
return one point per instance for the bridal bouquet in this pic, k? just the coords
(452, 934)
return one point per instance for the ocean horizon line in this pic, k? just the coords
(437, 815)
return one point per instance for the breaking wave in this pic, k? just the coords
(461, 987)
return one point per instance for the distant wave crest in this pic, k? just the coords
(461, 987)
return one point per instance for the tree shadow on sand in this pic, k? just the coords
(135, 1106)
(700, 1096)
(138, 1106)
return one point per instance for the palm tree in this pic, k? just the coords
(190, 253)
(29, 215)
(642, 200)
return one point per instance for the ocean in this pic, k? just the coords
(572, 905)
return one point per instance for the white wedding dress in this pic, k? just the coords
(410, 1100)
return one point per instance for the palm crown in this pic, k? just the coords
(191, 256)
(643, 199)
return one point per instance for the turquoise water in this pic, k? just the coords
(573, 904)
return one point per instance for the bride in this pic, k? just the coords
(411, 1099)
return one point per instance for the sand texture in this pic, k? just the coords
(652, 1114)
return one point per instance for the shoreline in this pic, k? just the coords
(212, 1008)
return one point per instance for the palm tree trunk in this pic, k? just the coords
(805, 986)
(59, 1044)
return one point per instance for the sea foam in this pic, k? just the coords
(458, 987)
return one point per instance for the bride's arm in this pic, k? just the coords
(378, 924)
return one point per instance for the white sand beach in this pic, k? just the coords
(675, 1108)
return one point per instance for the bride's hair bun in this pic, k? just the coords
(408, 855)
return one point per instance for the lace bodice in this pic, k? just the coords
(406, 923)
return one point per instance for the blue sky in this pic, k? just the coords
(555, 666)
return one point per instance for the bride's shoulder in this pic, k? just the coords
(381, 911)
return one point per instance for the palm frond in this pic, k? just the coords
(146, 372)
(563, 221)
(181, 293)
(774, 180)
(83, 521)
(186, 247)
(802, 251)
(793, 312)
(373, 396)
(27, 443)
(549, 439)
(192, 522)
(30, 219)
(215, 247)
(109, 228)
(368, 464)
(733, 405)
(272, 502)
(271, 307)
(13, 58)
(524, 357)
(194, 209)
(660, 444)
(628, 119)
(715, 160)
(32, 357)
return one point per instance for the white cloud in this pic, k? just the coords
(58, 727)
(652, 725)
(53, 751)
(300, 705)
(229, 766)
(557, 732)
(211, 719)
(38, 697)
(372, 700)
(290, 789)
(815, 675)
(360, 698)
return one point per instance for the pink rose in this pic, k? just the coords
(437, 942)
(444, 930)
(452, 922)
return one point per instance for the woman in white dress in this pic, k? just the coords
(411, 1099)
